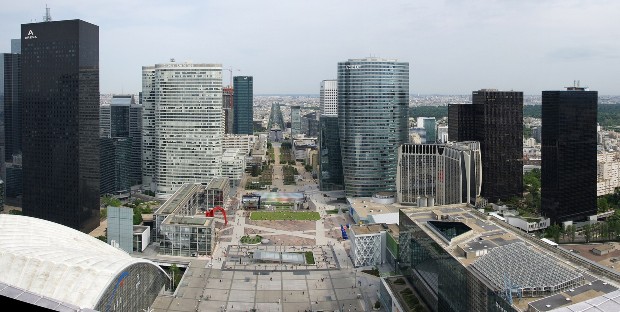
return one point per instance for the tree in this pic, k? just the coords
(175, 274)
(587, 232)
(103, 213)
(15, 212)
(572, 232)
(110, 201)
(602, 204)
(137, 216)
(555, 232)
(103, 238)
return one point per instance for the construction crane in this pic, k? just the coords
(230, 70)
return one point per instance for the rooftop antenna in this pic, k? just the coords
(172, 60)
(48, 16)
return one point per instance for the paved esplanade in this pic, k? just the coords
(230, 281)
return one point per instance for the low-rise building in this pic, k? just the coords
(181, 228)
(187, 236)
(243, 142)
(380, 208)
(233, 166)
(458, 260)
(217, 192)
(368, 243)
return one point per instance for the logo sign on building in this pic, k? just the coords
(352, 66)
(30, 35)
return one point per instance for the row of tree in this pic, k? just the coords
(600, 231)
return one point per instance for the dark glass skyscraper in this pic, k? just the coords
(373, 103)
(121, 139)
(330, 159)
(495, 119)
(60, 87)
(243, 110)
(12, 105)
(568, 185)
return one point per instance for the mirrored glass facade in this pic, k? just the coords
(330, 168)
(568, 184)
(495, 119)
(60, 88)
(243, 105)
(441, 280)
(373, 102)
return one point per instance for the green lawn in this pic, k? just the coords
(251, 239)
(285, 215)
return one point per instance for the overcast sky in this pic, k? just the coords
(289, 46)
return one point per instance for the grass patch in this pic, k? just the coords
(285, 215)
(309, 257)
(411, 300)
(374, 272)
(251, 239)
(331, 211)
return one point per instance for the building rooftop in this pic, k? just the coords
(189, 220)
(368, 228)
(527, 269)
(591, 297)
(218, 184)
(365, 206)
(57, 262)
(139, 229)
(182, 195)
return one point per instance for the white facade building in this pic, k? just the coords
(244, 142)
(608, 173)
(233, 165)
(447, 174)
(368, 243)
(329, 98)
(182, 125)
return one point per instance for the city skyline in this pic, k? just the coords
(541, 46)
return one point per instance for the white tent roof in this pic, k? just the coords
(56, 261)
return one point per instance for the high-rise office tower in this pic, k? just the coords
(495, 119)
(310, 124)
(243, 104)
(429, 125)
(182, 125)
(330, 159)
(121, 128)
(228, 106)
(329, 98)
(373, 103)
(568, 185)
(295, 121)
(440, 173)
(12, 76)
(60, 138)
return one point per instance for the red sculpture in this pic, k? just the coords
(211, 213)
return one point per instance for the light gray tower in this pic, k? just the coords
(373, 103)
(182, 125)
(329, 98)
(295, 121)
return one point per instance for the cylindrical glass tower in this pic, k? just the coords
(373, 104)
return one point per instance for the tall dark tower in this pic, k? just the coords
(568, 186)
(12, 103)
(60, 87)
(495, 119)
(243, 104)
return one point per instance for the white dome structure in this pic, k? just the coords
(64, 264)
